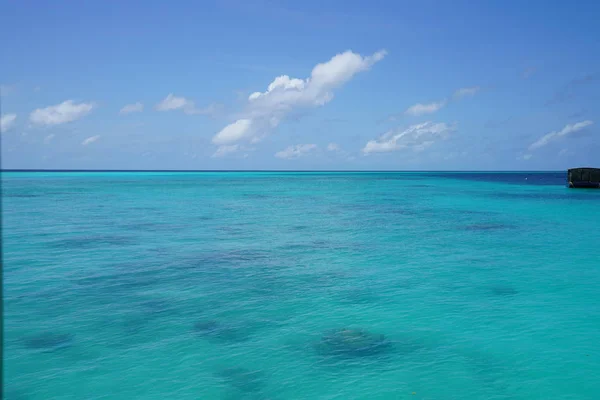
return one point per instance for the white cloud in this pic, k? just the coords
(132, 108)
(233, 132)
(565, 152)
(526, 156)
(7, 121)
(49, 138)
(90, 140)
(224, 150)
(552, 136)
(172, 102)
(296, 151)
(421, 109)
(430, 108)
(463, 92)
(416, 137)
(67, 111)
(333, 147)
(264, 111)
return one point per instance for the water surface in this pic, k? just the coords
(259, 285)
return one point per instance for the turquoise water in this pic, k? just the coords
(238, 286)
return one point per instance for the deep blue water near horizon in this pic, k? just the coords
(259, 285)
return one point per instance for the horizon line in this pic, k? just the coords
(267, 170)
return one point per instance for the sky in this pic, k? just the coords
(289, 85)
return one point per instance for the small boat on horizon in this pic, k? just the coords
(584, 178)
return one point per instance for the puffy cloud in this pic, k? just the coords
(172, 102)
(296, 151)
(416, 137)
(281, 82)
(463, 92)
(552, 136)
(132, 108)
(421, 109)
(90, 140)
(67, 111)
(233, 132)
(7, 121)
(265, 110)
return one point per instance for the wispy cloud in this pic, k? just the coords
(67, 111)
(225, 150)
(525, 157)
(264, 111)
(333, 147)
(337, 151)
(172, 102)
(421, 109)
(552, 136)
(132, 108)
(465, 92)
(568, 91)
(430, 108)
(90, 140)
(417, 137)
(49, 138)
(296, 151)
(7, 121)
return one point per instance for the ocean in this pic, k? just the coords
(300, 285)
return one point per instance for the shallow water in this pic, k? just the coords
(228, 285)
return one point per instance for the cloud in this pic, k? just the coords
(264, 111)
(67, 111)
(464, 92)
(565, 152)
(224, 150)
(430, 108)
(333, 147)
(421, 109)
(296, 151)
(552, 136)
(416, 137)
(7, 121)
(233, 132)
(570, 89)
(132, 108)
(171, 103)
(90, 140)
(49, 138)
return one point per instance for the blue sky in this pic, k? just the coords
(434, 85)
